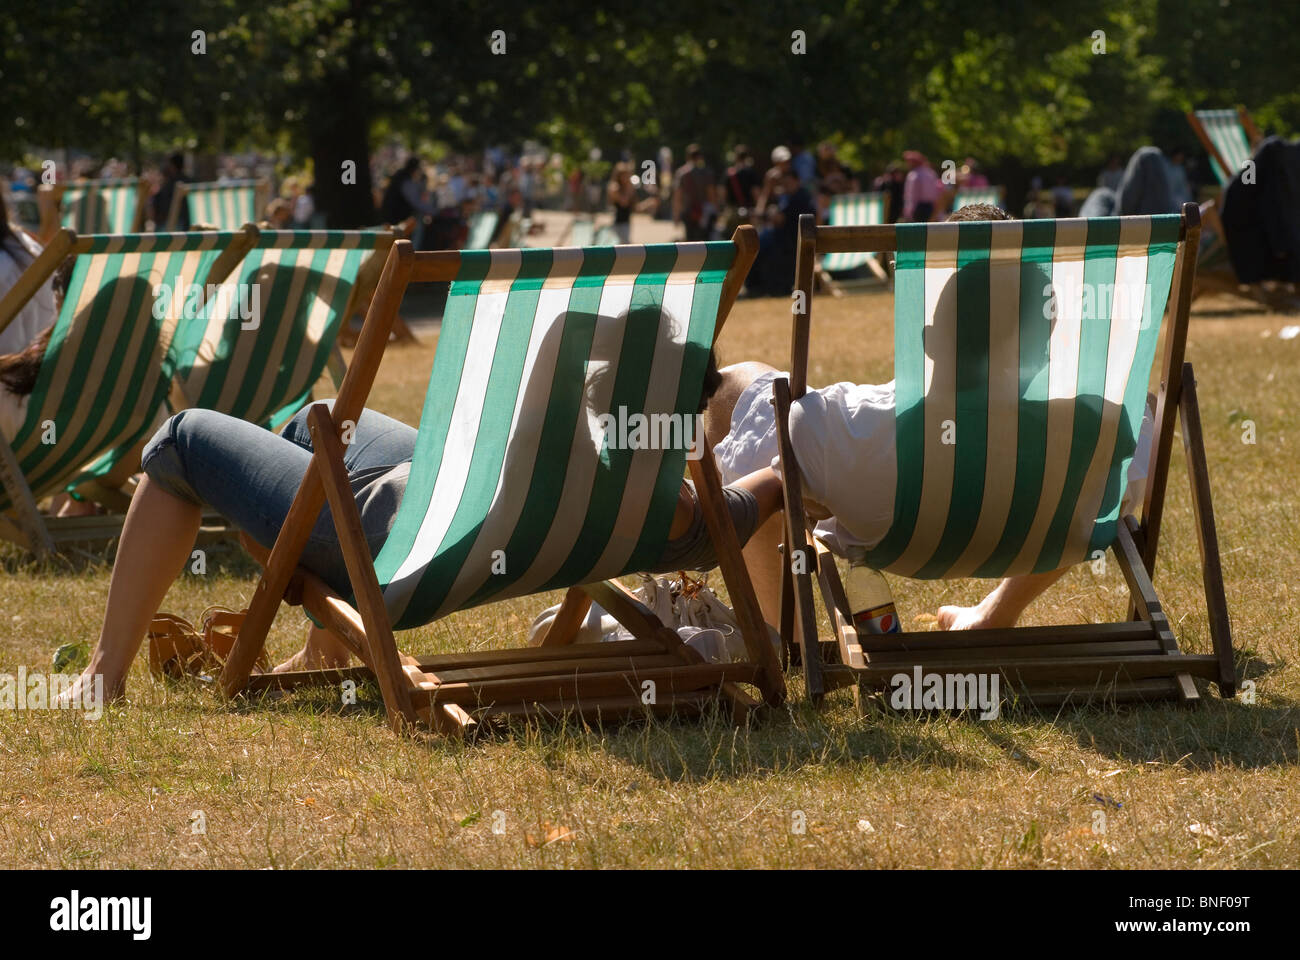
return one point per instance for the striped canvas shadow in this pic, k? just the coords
(541, 345)
(1022, 355)
(264, 338)
(104, 375)
(530, 474)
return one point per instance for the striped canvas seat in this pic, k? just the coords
(1224, 129)
(582, 233)
(262, 368)
(516, 487)
(105, 373)
(482, 228)
(965, 196)
(853, 210)
(226, 205)
(101, 206)
(1023, 351)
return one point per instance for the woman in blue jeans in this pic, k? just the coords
(250, 476)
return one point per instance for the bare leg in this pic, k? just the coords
(156, 543)
(1003, 605)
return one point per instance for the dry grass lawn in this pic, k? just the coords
(305, 782)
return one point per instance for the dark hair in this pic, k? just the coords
(712, 380)
(979, 211)
(18, 370)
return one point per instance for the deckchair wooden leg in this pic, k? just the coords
(799, 556)
(573, 610)
(307, 503)
(837, 606)
(789, 647)
(382, 646)
(841, 617)
(1207, 537)
(28, 517)
(1144, 596)
(740, 589)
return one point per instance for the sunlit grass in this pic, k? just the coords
(306, 782)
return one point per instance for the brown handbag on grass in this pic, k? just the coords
(177, 649)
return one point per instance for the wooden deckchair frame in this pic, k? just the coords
(1253, 136)
(37, 532)
(1135, 659)
(557, 677)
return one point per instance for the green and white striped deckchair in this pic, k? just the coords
(965, 196)
(224, 204)
(521, 483)
(1227, 136)
(104, 375)
(104, 206)
(1022, 355)
(582, 233)
(854, 210)
(259, 345)
(482, 228)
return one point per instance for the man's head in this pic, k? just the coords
(914, 159)
(694, 153)
(978, 211)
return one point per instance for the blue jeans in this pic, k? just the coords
(250, 476)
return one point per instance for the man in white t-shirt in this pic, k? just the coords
(844, 442)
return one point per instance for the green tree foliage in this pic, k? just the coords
(1017, 83)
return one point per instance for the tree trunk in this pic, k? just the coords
(339, 131)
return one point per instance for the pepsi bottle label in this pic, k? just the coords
(882, 619)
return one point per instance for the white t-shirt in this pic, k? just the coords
(844, 441)
(37, 315)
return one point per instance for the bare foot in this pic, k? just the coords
(311, 659)
(86, 688)
(982, 616)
